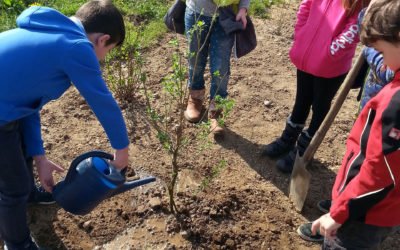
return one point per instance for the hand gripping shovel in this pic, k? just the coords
(300, 178)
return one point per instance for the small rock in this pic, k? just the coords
(230, 243)
(155, 203)
(217, 238)
(84, 107)
(213, 212)
(169, 246)
(267, 103)
(185, 234)
(125, 216)
(141, 210)
(206, 210)
(87, 224)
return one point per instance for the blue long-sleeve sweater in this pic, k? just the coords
(38, 62)
(377, 78)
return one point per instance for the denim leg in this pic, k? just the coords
(15, 186)
(220, 54)
(198, 47)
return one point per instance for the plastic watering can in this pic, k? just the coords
(91, 179)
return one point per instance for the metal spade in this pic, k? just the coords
(300, 178)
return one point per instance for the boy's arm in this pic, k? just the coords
(378, 174)
(82, 67)
(31, 130)
(302, 14)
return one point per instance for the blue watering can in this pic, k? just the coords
(91, 179)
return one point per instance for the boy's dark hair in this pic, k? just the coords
(381, 22)
(101, 16)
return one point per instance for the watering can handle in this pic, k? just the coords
(72, 169)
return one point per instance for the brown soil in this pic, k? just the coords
(245, 207)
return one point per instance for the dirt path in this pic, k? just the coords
(245, 207)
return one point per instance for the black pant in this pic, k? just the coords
(353, 235)
(315, 92)
(15, 187)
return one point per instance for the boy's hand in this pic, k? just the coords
(121, 158)
(241, 16)
(45, 170)
(326, 225)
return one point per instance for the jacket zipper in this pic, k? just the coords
(347, 167)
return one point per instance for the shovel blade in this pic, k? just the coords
(299, 183)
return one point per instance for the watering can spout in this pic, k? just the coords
(133, 184)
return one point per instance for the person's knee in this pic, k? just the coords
(14, 194)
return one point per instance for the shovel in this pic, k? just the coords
(300, 178)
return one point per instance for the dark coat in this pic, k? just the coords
(246, 39)
(175, 17)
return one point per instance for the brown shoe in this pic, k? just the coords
(195, 105)
(214, 114)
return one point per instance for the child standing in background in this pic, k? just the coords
(379, 75)
(325, 39)
(366, 194)
(210, 42)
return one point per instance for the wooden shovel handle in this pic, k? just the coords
(330, 117)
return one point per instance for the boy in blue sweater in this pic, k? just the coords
(39, 61)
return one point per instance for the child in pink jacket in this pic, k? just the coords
(325, 39)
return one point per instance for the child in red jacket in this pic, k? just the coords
(366, 194)
(325, 38)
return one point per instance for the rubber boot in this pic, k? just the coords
(195, 105)
(285, 164)
(285, 143)
(214, 114)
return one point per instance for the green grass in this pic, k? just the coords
(146, 15)
(260, 7)
(142, 16)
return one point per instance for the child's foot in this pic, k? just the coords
(29, 244)
(305, 233)
(41, 196)
(324, 206)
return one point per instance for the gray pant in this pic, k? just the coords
(354, 235)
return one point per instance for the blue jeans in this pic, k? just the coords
(217, 45)
(15, 187)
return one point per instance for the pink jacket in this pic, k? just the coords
(324, 38)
